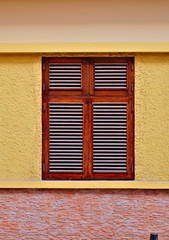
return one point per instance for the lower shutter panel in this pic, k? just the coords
(66, 137)
(110, 137)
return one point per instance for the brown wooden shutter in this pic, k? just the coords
(88, 118)
(66, 137)
(109, 137)
(64, 76)
(110, 75)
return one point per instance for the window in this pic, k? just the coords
(88, 119)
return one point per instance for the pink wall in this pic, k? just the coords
(83, 214)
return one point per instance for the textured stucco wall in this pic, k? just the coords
(83, 214)
(152, 117)
(20, 118)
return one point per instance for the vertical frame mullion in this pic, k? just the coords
(90, 141)
(45, 118)
(87, 76)
(130, 77)
(84, 76)
(85, 139)
(45, 139)
(91, 77)
(130, 138)
(45, 66)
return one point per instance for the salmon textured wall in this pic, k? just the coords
(83, 214)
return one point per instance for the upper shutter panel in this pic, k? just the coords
(65, 137)
(65, 76)
(110, 137)
(110, 75)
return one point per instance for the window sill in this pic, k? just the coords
(86, 184)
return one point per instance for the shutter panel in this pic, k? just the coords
(66, 137)
(110, 137)
(88, 118)
(110, 75)
(65, 76)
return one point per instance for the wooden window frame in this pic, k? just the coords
(88, 94)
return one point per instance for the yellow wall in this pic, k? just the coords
(152, 117)
(90, 48)
(20, 118)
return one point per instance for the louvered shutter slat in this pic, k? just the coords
(65, 76)
(110, 75)
(66, 138)
(109, 137)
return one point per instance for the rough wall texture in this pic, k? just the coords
(83, 214)
(152, 117)
(20, 118)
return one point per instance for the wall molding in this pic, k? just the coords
(86, 184)
(151, 47)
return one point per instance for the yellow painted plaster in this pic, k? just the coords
(84, 47)
(152, 117)
(20, 119)
(86, 184)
